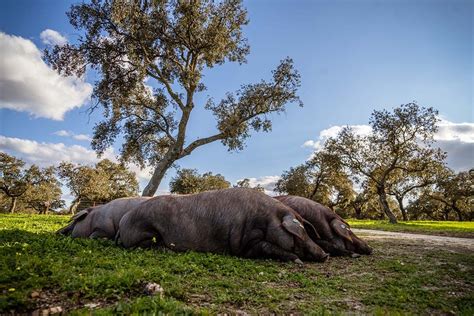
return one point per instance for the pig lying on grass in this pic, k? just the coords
(237, 221)
(336, 236)
(100, 221)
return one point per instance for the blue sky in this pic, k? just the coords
(353, 56)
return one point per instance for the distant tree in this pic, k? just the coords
(99, 184)
(245, 183)
(84, 182)
(359, 203)
(295, 181)
(188, 181)
(321, 179)
(5, 202)
(425, 207)
(14, 178)
(121, 181)
(420, 174)
(456, 192)
(397, 138)
(171, 44)
(366, 202)
(44, 191)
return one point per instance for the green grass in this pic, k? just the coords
(442, 228)
(400, 278)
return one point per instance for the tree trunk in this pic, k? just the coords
(358, 212)
(446, 213)
(402, 207)
(13, 205)
(157, 176)
(74, 206)
(315, 190)
(385, 206)
(457, 211)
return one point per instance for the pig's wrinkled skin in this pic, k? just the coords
(100, 221)
(236, 221)
(336, 237)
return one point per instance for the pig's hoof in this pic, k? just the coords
(355, 255)
(298, 261)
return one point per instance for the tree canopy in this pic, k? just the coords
(321, 179)
(14, 178)
(33, 187)
(44, 192)
(189, 181)
(99, 184)
(400, 141)
(169, 44)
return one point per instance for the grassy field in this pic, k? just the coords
(441, 228)
(401, 277)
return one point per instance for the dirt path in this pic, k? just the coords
(466, 243)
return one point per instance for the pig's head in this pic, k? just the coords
(304, 246)
(347, 241)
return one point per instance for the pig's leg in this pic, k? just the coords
(149, 240)
(98, 234)
(266, 249)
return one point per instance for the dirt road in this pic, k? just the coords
(466, 243)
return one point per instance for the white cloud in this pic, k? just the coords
(267, 182)
(65, 133)
(449, 131)
(47, 154)
(81, 137)
(52, 37)
(457, 139)
(325, 134)
(62, 133)
(27, 84)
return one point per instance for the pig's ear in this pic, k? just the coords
(311, 230)
(294, 226)
(81, 215)
(341, 229)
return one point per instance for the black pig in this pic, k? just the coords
(336, 235)
(236, 221)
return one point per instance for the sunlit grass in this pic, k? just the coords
(445, 228)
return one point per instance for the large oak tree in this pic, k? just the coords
(170, 43)
(398, 139)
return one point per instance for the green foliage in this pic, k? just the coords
(400, 278)
(32, 187)
(400, 142)
(170, 43)
(101, 184)
(295, 182)
(321, 179)
(120, 181)
(188, 181)
(44, 192)
(14, 178)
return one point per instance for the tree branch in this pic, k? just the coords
(200, 142)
